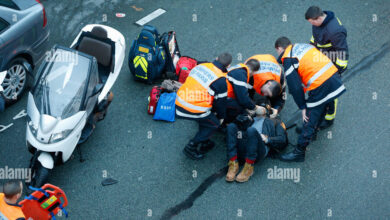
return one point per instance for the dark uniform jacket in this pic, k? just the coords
(331, 39)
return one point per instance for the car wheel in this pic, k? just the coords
(15, 80)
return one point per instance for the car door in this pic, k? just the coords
(3, 26)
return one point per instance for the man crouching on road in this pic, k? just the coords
(202, 98)
(265, 135)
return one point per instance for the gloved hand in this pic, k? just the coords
(274, 113)
(260, 110)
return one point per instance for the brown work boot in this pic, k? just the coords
(245, 173)
(233, 170)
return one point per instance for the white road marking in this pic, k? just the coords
(150, 17)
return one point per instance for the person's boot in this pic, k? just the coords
(233, 170)
(206, 146)
(326, 124)
(297, 155)
(245, 173)
(191, 151)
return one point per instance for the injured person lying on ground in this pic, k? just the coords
(250, 140)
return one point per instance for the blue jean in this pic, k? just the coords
(248, 144)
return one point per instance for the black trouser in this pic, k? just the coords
(207, 126)
(233, 109)
(309, 129)
(245, 145)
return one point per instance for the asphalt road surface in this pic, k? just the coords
(346, 172)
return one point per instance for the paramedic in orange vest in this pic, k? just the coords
(9, 209)
(202, 98)
(237, 86)
(308, 71)
(268, 81)
(330, 37)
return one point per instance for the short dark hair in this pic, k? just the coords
(253, 64)
(11, 188)
(275, 88)
(225, 59)
(282, 42)
(313, 12)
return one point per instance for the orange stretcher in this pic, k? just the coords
(44, 203)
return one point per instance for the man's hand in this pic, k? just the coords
(304, 117)
(220, 121)
(274, 113)
(264, 138)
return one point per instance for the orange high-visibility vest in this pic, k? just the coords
(8, 211)
(195, 94)
(314, 68)
(230, 91)
(269, 70)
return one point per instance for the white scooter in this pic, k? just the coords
(72, 88)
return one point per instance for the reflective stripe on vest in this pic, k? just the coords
(189, 105)
(314, 68)
(203, 75)
(195, 94)
(230, 80)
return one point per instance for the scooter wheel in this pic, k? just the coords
(40, 176)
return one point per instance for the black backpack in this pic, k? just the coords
(169, 41)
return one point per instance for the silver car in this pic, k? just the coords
(24, 35)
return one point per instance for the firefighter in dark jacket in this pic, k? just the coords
(308, 70)
(330, 37)
(265, 135)
(237, 89)
(202, 98)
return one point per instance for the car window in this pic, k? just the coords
(9, 4)
(3, 25)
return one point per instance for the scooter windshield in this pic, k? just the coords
(61, 88)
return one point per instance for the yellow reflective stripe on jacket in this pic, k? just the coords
(325, 45)
(330, 117)
(312, 39)
(339, 21)
(342, 63)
